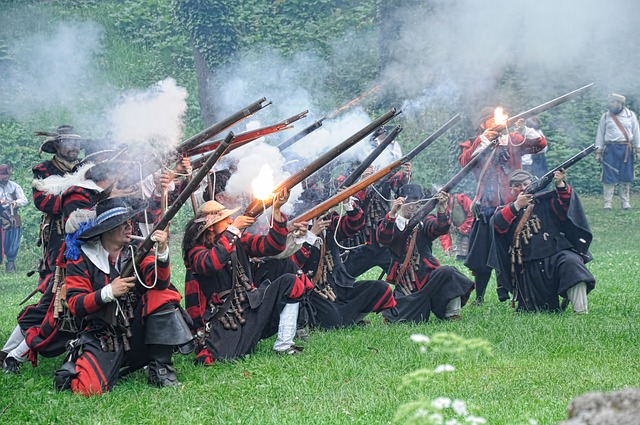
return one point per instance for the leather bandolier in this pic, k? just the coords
(406, 279)
(321, 285)
(528, 225)
(374, 210)
(229, 313)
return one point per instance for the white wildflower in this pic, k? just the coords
(476, 420)
(533, 422)
(420, 413)
(419, 338)
(444, 368)
(459, 407)
(441, 403)
(436, 418)
(453, 421)
(423, 349)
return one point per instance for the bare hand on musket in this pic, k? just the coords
(558, 178)
(280, 199)
(443, 199)
(395, 207)
(319, 226)
(243, 222)
(407, 168)
(521, 126)
(184, 166)
(166, 178)
(161, 238)
(491, 135)
(122, 285)
(369, 171)
(299, 229)
(522, 201)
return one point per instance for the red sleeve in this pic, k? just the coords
(504, 218)
(560, 203)
(465, 202)
(434, 227)
(445, 241)
(301, 256)
(350, 223)
(385, 231)
(49, 204)
(148, 270)
(273, 243)
(468, 148)
(81, 296)
(207, 262)
(76, 198)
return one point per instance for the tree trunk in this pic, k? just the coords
(205, 88)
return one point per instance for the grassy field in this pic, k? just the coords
(539, 363)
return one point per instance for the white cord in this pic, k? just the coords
(155, 265)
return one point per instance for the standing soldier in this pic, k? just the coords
(617, 133)
(11, 198)
(493, 186)
(65, 144)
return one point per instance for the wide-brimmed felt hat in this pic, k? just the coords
(64, 132)
(110, 214)
(519, 176)
(5, 171)
(485, 113)
(210, 213)
(413, 192)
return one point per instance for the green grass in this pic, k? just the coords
(539, 363)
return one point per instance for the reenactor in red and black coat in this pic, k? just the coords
(231, 312)
(541, 246)
(422, 285)
(492, 177)
(338, 300)
(125, 322)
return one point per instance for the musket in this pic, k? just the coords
(248, 136)
(400, 242)
(143, 250)
(258, 206)
(221, 125)
(305, 132)
(541, 183)
(544, 107)
(362, 167)
(326, 205)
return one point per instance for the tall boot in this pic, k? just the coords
(607, 189)
(287, 330)
(577, 294)
(161, 372)
(452, 312)
(625, 195)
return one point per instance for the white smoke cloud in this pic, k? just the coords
(454, 52)
(152, 117)
(53, 70)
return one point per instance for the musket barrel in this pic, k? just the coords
(303, 133)
(355, 174)
(258, 206)
(146, 246)
(220, 126)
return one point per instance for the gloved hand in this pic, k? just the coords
(599, 155)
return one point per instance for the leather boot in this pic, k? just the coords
(161, 372)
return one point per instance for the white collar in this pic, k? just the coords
(401, 222)
(96, 253)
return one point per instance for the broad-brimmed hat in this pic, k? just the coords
(485, 113)
(519, 176)
(5, 171)
(620, 98)
(110, 214)
(413, 192)
(63, 132)
(210, 213)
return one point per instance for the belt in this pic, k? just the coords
(621, 142)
